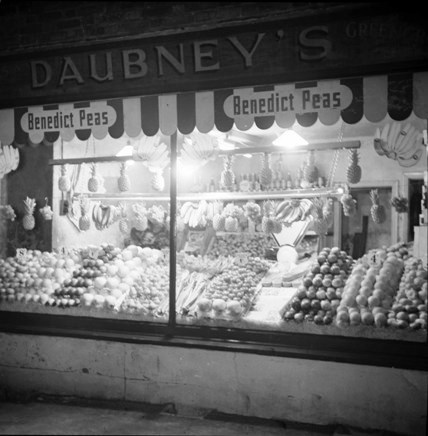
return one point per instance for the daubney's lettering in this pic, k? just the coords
(190, 57)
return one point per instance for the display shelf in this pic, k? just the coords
(225, 196)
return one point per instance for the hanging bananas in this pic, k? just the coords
(403, 144)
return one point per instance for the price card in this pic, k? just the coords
(93, 252)
(241, 259)
(21, 253)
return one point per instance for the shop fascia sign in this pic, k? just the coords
(186, 57)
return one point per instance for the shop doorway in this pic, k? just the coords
(360, 233)
(415, 208)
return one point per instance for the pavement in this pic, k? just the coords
(70, 417)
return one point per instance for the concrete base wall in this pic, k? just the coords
(252, 385)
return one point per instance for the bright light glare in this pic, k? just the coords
(226, 146)
(126, 151)
(290, 139)
(247, 155)
(185, 169)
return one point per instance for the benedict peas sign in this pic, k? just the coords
(97, 117)
(284, 102)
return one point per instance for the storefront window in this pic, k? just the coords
(269, 235)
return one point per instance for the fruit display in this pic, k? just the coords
(289, 211)
(123, 182)
(7, 212)
(95, 181)
(103, 215)
(353, 171)
(349, 204)
(254, 244)
(376, 210)
(227, 177)
(230, 294)
(386, 288)
(199, 214)
(46, 211)
(64, 182)
(28, 221)
(319, 295)
(265, 172)
(310, 171)
(403, 144)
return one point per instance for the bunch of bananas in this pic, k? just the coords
(401, 144)
(289, 211)
(195, 215)
(9, 159)
(103, 215)
(153, 153)
(199, 147)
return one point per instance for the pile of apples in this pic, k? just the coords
(320, 293)
(232, 292)
(148, 291)
(409, 307)
(34, 277)
(254, 244)
(370, 290)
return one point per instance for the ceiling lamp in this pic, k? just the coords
(290, 139)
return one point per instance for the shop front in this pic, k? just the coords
(222, 221)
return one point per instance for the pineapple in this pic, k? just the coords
(353, 172)
(277, 226)
(28, 221)
(123, 181)
(158, 181)
(266, 172)
(64, 183)
(124, 225)
(231, 224)
(218, 222)
(375, 210)
(268, 225)
(94, 180)
(310, 171)
(227, 178)
(84, 220)
(123, 222)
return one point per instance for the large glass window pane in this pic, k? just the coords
(109, 233)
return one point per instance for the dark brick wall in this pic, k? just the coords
(29, 25)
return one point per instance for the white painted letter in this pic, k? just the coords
(138, 63)
(305, 41)
(47, 70)
(75, 75)
(164, 53)
(247, 55)
(109, 68)
(200, 55)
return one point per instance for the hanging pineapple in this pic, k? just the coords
(94, 180)
(266, 172)
(320, 220)
(268, 223)
(231, 224)
(376, 209)
(158, 181)
(123, 181)
(218, 222)
(84, 220)
(64, 182)
(227, 178)
(123, 222)
(353, 172)
(28, 221)
(310, 171)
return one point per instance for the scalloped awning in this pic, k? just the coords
(372, 97)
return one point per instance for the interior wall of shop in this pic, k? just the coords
(270, 387)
